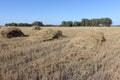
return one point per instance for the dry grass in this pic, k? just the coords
(24, 59)
(89, 39)
(48, 34)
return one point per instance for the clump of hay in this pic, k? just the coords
(48, 34)
(11, 32)
(36, 28)
(88, 40)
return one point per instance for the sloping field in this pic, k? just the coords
(82, 54)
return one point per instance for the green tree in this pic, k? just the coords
(20, 24)
(37, 23)
(85, 22)
(106, 22)
(70, 23)
(76, 23)
(6, 24)
(64, 23)
(67, 23)
(11, 24)
(95, 22)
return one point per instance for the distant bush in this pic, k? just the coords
(36, 28)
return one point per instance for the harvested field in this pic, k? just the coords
(89, 39)
(87, 53)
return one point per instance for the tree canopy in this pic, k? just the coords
(89, 22)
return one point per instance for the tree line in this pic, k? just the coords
(89, 22)
(36, 23)
(84, 22)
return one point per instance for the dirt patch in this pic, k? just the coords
(11, 32)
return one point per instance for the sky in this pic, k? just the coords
(56, 11)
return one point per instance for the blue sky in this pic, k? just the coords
(55, 11)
